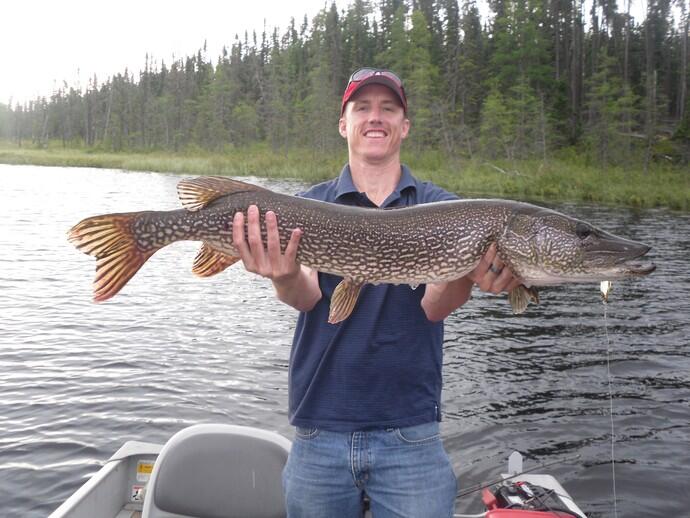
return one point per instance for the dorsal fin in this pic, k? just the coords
(198, 193)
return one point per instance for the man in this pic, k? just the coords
(365, 394)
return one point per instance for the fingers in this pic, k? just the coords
(491, 274)
(486, 261)
(240, 243)
(272, 237)
(256, 244)
(502, 281)
(250, 247)
(514, 284)
(484, 273)
(266, 260)
(293, 244)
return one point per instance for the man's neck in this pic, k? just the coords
(378, 181)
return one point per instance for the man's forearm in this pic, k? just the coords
(440, 300)
(302, 291)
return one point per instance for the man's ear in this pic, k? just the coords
(405, 128)
(342, 127)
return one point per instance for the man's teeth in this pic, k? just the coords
(375, 134)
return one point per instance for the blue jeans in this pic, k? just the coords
(405, 472)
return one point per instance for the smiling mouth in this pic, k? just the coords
(375, 134)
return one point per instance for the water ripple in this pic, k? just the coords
(78, 379)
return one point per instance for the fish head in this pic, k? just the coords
(545, 247)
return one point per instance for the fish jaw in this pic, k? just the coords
(595, 270)
(614, 257)
(620, 272)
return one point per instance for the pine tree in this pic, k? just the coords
(471, 65)
(396, 52)
(612, 107)
(497, 127)
(421, 85)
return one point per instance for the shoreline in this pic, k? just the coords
(552, 180)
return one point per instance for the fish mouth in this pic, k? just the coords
(621, 257)
(638, 268)
(632, 265)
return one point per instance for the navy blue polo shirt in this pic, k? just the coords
(381, 367)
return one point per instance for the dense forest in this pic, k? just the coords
(533, 79)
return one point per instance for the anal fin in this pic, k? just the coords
(210, 261)
(521, 296)
(343, 300)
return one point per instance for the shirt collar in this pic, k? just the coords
(347, 186)
(345, 183)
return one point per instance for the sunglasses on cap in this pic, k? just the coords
(364, 76)
(366, 73)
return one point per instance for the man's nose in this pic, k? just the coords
(375, 113)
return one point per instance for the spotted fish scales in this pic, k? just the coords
(435, 242)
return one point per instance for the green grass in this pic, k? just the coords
(257, 161)
(554, 179)
(561, 180)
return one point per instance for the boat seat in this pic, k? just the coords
(218, 471)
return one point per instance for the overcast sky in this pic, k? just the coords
(45, 42)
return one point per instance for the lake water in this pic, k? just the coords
(78, 379)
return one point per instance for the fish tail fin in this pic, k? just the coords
(110, 239)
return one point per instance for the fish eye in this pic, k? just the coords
(583, 230)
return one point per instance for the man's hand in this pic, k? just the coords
(295, 285)
(440, 300)
(491, 276)
(267, 261)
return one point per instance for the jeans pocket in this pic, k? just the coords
(306, 433)
(420, 434)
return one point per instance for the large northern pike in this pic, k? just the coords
(435, 242)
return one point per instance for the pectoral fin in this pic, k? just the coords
(521, 296)
(210, 261)
(343, 300)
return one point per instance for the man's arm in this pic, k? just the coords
(440, 300)
(295, 285)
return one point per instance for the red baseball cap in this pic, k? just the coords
(367, 76)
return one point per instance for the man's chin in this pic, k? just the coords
(377, 149)
(376, 157)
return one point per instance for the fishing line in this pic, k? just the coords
(605, 290)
